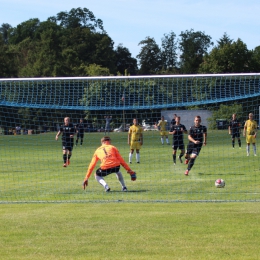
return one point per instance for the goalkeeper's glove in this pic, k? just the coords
(85, 184)
(132, 174)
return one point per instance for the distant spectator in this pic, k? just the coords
(18, 130)
(107, 127)
(45, 127)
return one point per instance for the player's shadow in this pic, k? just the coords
(128, 191)
(219, 174)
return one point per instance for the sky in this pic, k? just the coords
(130, 21)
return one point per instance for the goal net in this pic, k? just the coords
(32, 110)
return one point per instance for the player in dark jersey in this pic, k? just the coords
(68, 131)
(234, 130)
(177, 131)
(80, 132)
(173, 122)
(197, 137)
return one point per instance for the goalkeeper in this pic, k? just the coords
(110, 163)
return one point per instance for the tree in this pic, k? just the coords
(85, 47)
(8, 60)
(96, 70)
(43, 56)
(125, 64)
(194, 46)
(4, 31)
(79, 18)
(224, 40)
(225, 112)
(230, 58)
(149, 57)
(255, 61)
(168, 51)
(63, 44)
(24, 30)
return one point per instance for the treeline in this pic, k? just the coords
(75, 43)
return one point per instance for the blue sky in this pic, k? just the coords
(131, 21)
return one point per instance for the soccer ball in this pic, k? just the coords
(219, 183)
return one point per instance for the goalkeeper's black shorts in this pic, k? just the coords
(103, 173)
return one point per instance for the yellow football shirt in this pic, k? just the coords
(136, 132)
(251, 127)
(162, 125)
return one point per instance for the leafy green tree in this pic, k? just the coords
(255, 61)
(8, 60)
(84, 40)
(42, 58)
(78, 17)
(23, 31)
(169, 51)
(124, 61)
(230, 58)
(103, 54)
(83, 46)
(225, 112)
(149, 57)
(63, 44)
(224, 40)
(94, 70)
(193, 46)
(4, 31)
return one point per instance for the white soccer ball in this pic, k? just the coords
(219, 183)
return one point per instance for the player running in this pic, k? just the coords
(110, 163)
(197, 137)
(177, 131)
(107, 126)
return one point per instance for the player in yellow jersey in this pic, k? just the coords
(135, 140)
(163, 131)
(110, 163)
(250, 130)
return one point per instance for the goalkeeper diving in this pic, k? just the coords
(110, 163)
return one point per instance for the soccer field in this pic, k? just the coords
(210, 231)
(31, 171)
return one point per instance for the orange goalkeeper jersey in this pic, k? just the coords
(109, 157)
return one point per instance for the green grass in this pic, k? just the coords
(31, 170)
(143, 223)
(130, 231)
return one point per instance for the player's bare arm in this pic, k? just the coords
(57, 135)
(129, 138)
(192, 140)
(141, 139)
(244, 132)
(205, 138)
